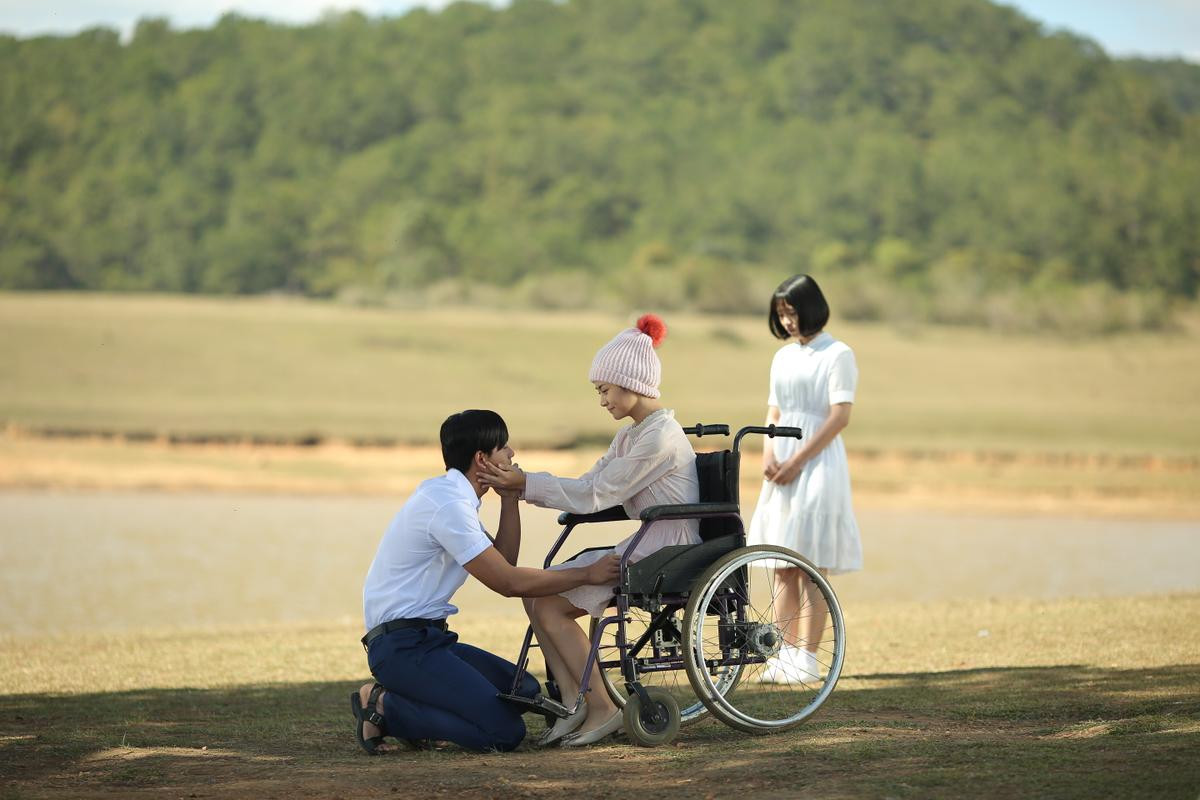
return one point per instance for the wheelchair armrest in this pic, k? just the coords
(687, 511)
(614, 514)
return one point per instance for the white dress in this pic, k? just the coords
(648, 464)
(813, 514)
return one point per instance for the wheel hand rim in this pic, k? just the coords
(746, 559)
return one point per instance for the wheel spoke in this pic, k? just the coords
(672, 680)
(764, 702)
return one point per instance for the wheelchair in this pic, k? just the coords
(706, 611)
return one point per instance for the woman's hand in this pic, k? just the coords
(511, 494)
(838, 419)
(770, 465)
(788, 471)
(770, 462)
(508, 481)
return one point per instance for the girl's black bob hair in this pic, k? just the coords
(812, 311)
(468, 432)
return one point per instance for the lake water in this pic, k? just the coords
(120, 560)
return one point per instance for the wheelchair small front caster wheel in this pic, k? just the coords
(653, 725)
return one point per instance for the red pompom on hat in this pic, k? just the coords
(653, 326)
(629, 359)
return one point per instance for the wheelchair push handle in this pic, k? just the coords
(699, 430)
(770, 431)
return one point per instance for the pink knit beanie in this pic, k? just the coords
(629, 359)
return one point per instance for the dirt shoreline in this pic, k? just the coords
(306, 441)
(1100, 484)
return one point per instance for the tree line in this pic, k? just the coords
(950, 158)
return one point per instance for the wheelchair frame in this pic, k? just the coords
(675, 579)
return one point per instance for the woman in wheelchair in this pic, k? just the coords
(649, 463)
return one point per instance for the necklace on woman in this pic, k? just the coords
(651, 415)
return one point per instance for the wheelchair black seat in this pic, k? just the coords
(672, 570)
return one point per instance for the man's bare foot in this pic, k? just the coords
(370, 731)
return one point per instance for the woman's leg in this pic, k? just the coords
(814, 613)
(785, 600)
(555, 622)
(568, 684)
(800, 608)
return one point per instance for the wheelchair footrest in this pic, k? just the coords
(539, 704)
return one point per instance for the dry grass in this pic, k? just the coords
(1048, 703)
(263, 367)
(991, 698)
(945, 418)
(898, 638)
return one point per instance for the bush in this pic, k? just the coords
(567, 289)
(719, 286)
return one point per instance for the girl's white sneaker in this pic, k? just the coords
(804, 665)
(771, 672)
(793, 665)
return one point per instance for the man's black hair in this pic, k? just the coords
(468, 432)
(812, 311)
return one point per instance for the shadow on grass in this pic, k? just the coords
(1063, 731)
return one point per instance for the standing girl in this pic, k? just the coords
(649, 463)
(805, 501)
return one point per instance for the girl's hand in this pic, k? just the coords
(507, 481)
(788, 471)
(770, 465)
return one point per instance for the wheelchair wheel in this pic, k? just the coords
(664, 650)
(651, 727)
(730, 621)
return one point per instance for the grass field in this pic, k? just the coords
(1064, 699)
(199, 393)
(288, 368)
(200, 404)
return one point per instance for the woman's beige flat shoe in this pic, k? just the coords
(563, 727)
(613, 724)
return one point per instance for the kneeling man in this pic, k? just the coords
(430, 686)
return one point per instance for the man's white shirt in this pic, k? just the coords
(419, 564)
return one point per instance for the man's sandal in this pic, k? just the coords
(368, 713)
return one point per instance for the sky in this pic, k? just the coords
(1151, 28)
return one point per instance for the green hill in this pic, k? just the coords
(1178, 79)
(939, 159)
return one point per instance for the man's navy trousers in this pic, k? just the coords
(442, 690)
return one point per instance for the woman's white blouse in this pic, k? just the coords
(648, 464)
